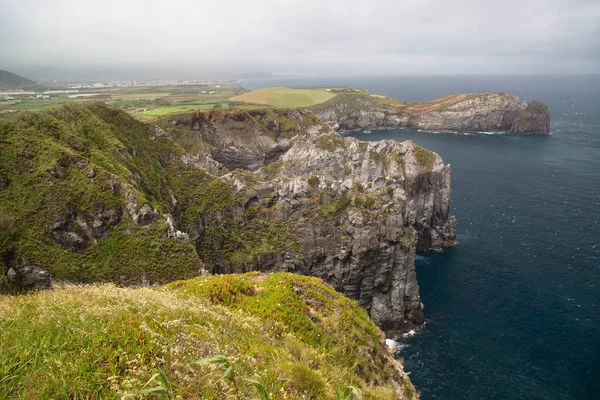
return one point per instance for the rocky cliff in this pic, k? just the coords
(487, 112)
(90, 194)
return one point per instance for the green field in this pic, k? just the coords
(283, 97)
(144, 102)
(149, 103)
(202, 107)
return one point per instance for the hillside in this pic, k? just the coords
(296, 336)
(8, 80)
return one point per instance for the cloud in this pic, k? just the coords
(233, 36)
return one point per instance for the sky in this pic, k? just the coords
(194, 39)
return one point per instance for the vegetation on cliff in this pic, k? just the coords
(81, 189)
(89, 194)
(295, 335)
(66, 178)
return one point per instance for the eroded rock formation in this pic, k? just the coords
(356, 213)
(220, 192)
(487, 112)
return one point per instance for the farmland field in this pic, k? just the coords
(149, 103)
(143, 102)
(284, 97)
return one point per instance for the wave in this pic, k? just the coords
(394, 345)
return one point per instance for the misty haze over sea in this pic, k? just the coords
(188, 39)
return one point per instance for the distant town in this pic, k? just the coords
(144, 99)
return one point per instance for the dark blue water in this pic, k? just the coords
(513, 311)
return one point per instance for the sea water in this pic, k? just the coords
(513, 311)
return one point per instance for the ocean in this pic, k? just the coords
(513, 311)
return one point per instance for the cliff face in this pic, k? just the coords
(355, 213)
(535, 118)
(487, 112)
(235, 191)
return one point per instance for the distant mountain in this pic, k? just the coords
(8, 80)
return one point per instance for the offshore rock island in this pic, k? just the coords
(487, 112)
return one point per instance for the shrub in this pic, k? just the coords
(330, 142)
(379, 157)
(304, 380)
(313, 181)
(336, 206)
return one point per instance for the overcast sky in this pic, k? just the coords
(192, 38)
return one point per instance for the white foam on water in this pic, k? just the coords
(410, 333)
(421, 258)
(392, 344)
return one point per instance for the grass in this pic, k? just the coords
(425, 158)
(35, 145)
(186, 107)
(282, 97)
(331, 142)
(294, 335)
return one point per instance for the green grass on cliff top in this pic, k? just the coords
(295, 335)
(283, 97)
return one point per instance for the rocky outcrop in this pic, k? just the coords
(25, 276)
(246, 140)
(534, 119)
(225, 191)
(487, 112)
(356, 213)
(76, 232)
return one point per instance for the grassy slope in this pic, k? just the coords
(283, 97)
(117, 148)
(296, 335)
